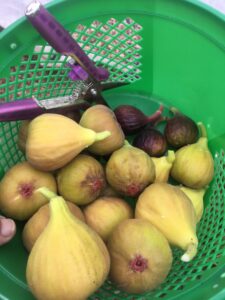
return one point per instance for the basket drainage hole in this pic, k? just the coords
(162, 295)
(222, 275)
(215, 286)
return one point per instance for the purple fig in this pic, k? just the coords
(180, 130)
(152, 141)
(132, 119)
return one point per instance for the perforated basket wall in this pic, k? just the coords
(117, 44)
(43, 73)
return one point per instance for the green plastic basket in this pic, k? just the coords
(173, 52)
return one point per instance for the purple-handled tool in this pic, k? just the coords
(26, 109)
(88, 77)
(20, 110)
(56, 35)
(30, 108)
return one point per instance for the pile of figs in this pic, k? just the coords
(106, 196)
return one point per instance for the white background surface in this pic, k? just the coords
(11, 10)
(218, 4)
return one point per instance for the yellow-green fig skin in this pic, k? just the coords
(172, 212)
(82, 180)
(69, 260)
(163, 166)
(194, 165)
(98, 118)
(105, 213)
(129, 170)
(54, 140)
(18, 199)
(197, 198)
(141, 257)
(37, 223)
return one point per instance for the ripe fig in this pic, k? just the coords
(37, 223)
(69, 260)
(100, 117)
(194, 164)
(18, 198)
(105, 213)
(132, 119)
(141, 257)
(163, 166)
(171, 212)
(152, 141)
(129, 170)
(54, 140)
(82, 180)
(197, 198)
(180, 130)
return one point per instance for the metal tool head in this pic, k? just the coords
(83, 92)
(93, 92)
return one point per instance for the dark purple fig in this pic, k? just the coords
(74, 115)
(180, 130)
(132, 119)
(152, 141)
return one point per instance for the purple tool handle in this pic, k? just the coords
(61, 40)
(27, 109)
(19, 110)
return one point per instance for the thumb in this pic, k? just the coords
(7, 230)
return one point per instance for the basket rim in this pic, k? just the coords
(214, 12)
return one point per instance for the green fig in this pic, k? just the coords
(163, 166)
(37, 223)
(82, 180)
(18, 199)
(98, 118)
(69, 260)
(196, 197)
(172, 212)
(54, 140)
(129, 170)
(141, 257)
(105, 213)
(194, 164)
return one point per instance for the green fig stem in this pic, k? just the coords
(46, 192)
(202, 129)
(175, 110)
(126, 143)
(171, 156)
(102, 135)
(190, 253)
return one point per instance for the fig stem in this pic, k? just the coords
(175, 110)
(160, 120)
(126, 143)
(171, 156)
(153, 118)
(202, 129)
(190, 253)
(46, 192)
(102, 135)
